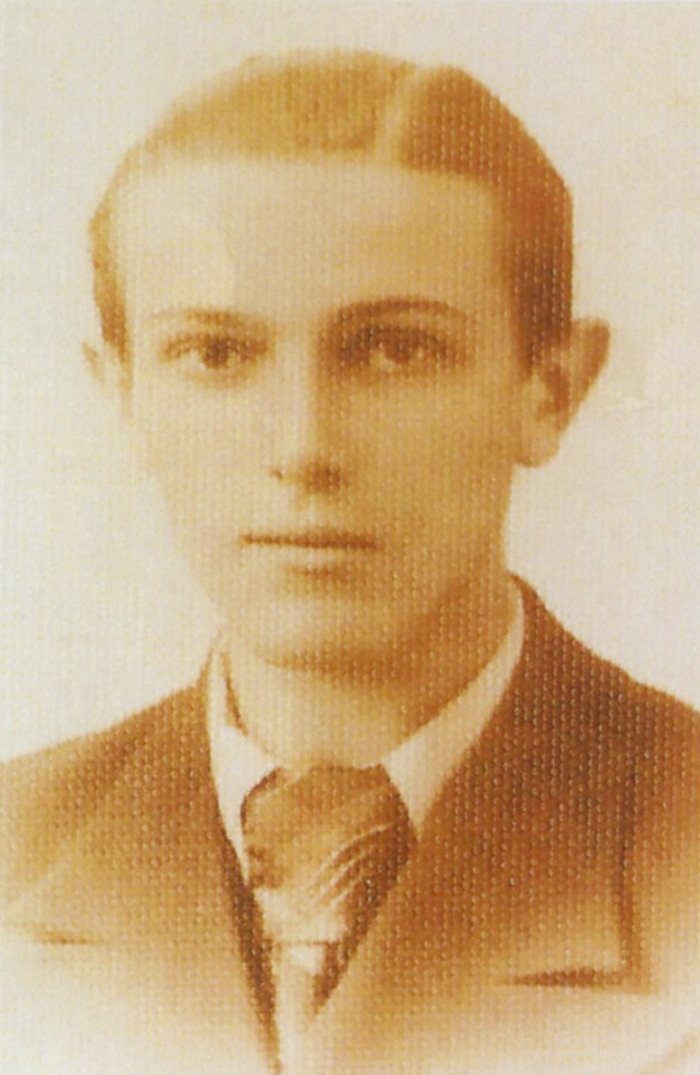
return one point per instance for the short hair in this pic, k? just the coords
(352, 106)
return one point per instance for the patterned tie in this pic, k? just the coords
(324, 849)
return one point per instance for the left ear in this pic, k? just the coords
(557, 386)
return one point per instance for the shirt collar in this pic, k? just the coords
(418, 767)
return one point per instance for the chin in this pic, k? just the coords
(305, 635)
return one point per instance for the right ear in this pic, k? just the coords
(111, 372)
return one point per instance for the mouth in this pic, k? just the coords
(312, 538)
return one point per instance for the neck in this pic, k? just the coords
(355, 712)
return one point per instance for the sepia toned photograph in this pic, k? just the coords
(351, 538)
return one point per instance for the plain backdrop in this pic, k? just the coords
(99, 615)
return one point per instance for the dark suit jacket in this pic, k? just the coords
(547, 921)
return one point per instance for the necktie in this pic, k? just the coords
(324, 848)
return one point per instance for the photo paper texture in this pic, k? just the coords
(350, 576)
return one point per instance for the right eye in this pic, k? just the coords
(203, 354)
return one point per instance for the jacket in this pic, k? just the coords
(546, 922)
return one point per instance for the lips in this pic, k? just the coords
(311, 538)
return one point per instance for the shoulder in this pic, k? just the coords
(628, 755)
(47, 796)
(630, 749)
(594, 699)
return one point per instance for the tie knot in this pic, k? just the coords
(324, 848)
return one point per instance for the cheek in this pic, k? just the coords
(192, 453)
(452, 452)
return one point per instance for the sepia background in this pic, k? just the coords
(99, 615)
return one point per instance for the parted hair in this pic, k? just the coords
(363, 106)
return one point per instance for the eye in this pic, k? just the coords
(395, 348)
(206, 353)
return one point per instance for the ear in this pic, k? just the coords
(111, 372)
(556, 388)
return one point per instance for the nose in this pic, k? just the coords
(304, 418)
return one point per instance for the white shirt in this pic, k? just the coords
(419, 767)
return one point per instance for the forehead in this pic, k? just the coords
(284, 240)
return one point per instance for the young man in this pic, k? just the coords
(404, 821)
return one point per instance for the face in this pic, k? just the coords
(328, 391)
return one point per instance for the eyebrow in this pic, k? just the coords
(401, 304)
(206, 315)
(218, 316)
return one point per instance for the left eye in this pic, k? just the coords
(392, 349)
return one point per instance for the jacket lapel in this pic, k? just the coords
(514, 882)
(148, 905)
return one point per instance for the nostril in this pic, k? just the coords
(312, 475)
